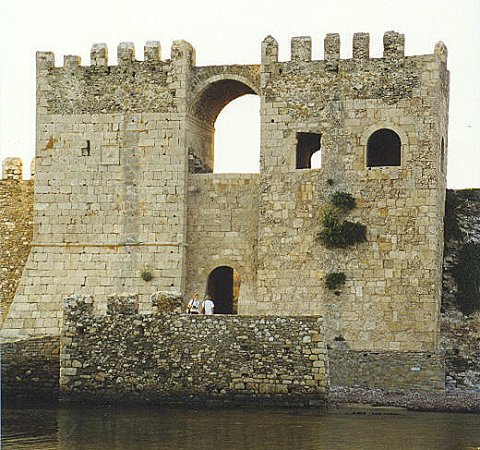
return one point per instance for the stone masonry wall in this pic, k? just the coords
(222, 230)
(169, 356)
(344, 102)
(110, 189)
(386, 370)
(31, 368)
(16, 227)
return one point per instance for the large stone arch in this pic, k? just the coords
(212, 94)
(211, 89)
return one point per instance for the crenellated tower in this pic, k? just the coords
(110, 190)
(380, 128)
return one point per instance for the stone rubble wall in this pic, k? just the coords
(168, 356)
(31, 368)
(386, 370)
(16, 227)
(460, 334)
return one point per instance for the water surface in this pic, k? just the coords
(67, 427)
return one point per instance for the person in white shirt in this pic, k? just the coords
(208, 306)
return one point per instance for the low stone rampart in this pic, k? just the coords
(30, 369)
(168, 356)
(387, 370)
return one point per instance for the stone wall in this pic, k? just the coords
(386, 370)
(30, 369)
(168, 356)
(460, 333)
(222, 230)
(16, 226)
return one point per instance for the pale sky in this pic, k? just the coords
(226, 32)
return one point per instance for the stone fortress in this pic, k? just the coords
(126, 198)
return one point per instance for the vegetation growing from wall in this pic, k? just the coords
(338, 232)
(343, 201)
(467, 276)
(147, 275)
(334, 280)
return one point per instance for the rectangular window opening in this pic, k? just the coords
(307, 145)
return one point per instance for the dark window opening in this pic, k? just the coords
(86, 150)
(384, 149)
(223, 286)
(308, 144)
(442, 156)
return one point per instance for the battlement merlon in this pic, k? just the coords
(152, 51)
(301, 48)
(99, 55)
(71, 61)
(441, 51)
(12, 169)
(332, 50)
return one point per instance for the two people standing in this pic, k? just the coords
(207, 307)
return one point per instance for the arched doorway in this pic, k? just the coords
(223, 286)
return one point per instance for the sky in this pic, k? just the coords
(231, 32)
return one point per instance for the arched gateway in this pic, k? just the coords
(223, 286)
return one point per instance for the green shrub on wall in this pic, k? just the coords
(146, 275)
(334, 280)
(338, 232)
(467, 276)
(344, 201)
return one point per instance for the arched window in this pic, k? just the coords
(384, 149)
(308, 151)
